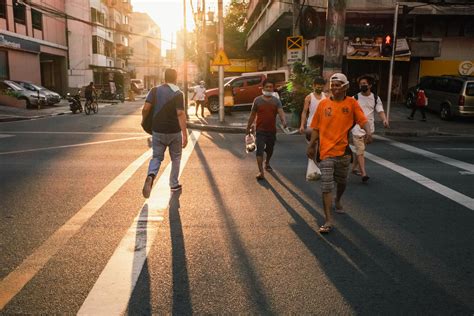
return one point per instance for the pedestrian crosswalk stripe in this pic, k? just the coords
(446, 160)
(12, 284)
(451, 194)
(5, 135)
(114, 287)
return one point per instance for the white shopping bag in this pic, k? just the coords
(250, 143)
(312, 172)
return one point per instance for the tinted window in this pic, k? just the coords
(19, 12)
(37, 19)
(276, 77)
(441, 84)
(3, 65)
(237, 83)
(455, 86)
(426, 83)
(253, 81)
(470, 89)
(3, 9)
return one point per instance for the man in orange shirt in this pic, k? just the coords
(331, 124)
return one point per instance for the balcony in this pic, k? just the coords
(124, 52)
(126, 28)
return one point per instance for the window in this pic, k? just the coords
(254, 81)
(19, 12)
(470, 89)
(455, 86)
(37, 19)
(441, 84)
(426, 83)
(98, 45)
(3, 65)
(276, 77)
(97, 17)
(3, 9)
(237, 83)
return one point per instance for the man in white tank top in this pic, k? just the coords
(311, 103)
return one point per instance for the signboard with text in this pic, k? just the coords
(294, 49)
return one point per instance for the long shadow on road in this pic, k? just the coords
(368, 285)
(255, 288)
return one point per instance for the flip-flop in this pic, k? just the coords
(260, 177)
(325, 229)
(268, 168)
(356, 172)
(339, 211)
(365, 179)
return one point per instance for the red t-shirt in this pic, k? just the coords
(267, 110)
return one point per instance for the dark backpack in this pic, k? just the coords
(375, 98)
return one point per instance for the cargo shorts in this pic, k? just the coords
(334, 169)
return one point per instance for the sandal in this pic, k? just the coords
(260, 177)
(268, 168)
(365, 179)
(356, 172)
(325, 229)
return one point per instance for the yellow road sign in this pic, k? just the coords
(221, 59)
(294, 42)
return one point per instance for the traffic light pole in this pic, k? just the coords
(392, 60)
(220, 13)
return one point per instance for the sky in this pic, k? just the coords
(168, 14)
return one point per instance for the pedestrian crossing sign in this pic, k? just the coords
(221, 59)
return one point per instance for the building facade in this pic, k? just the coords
(33, 43)
(145, 62)
(439, 38)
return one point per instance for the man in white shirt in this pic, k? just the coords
(199, 97)
(370, 104)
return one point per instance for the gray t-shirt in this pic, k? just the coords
(267, 110)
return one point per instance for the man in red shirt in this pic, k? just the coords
(332, 122)
(265, 108)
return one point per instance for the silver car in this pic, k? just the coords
(32, 98)
(51, 96)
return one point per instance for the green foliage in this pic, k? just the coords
(236, 29)
(10, 93)
(299, 86)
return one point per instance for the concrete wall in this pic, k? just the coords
(457, 48)
(30, 69)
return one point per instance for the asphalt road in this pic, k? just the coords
(77, 236)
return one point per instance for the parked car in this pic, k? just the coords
(51, 96)
(29, 96)
(450, 96)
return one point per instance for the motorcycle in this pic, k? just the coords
(108, 95)
(74, 102)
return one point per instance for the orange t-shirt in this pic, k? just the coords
(334, 120)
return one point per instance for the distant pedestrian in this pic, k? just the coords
(169, 129)
(199, 97)
(331, 125)
(311, 103)
(265, 109)
(370, 103)
(421, 101)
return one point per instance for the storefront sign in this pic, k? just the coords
(371, 49)
(466, 68)
(18, 43)
(239, 65)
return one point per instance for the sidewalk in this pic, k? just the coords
(399, 124)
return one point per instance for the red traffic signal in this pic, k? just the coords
(387, 46)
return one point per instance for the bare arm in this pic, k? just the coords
(182, 125)
(383, 117)
(368, 133)
(281, 113)
(250, 121)
(311, 151)
(304, 114)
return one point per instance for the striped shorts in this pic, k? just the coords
(334, 169)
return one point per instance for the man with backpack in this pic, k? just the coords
(421, 101)
(166, 105)
(370, 103)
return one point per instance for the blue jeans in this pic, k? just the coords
(160, 142)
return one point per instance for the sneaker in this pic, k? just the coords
(410, 118)
(176, 188)
(147, 186)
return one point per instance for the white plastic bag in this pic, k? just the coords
(312, 171)
(250, 143)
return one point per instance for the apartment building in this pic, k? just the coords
(145, 63)
(438, 37)
(33, 44)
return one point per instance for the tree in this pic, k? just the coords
(236, 29)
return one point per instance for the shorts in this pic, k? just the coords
(334, 169)
(200, 102)
(265, 142)
(359, 144)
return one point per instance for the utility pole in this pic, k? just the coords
(392, 60)
(185, 61)
(204, 43)
(220, 15)
(334, 37)
(296, 13)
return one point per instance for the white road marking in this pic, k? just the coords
(74, 133)
(113, 289)
(466, 173)
(73, 145)
(12, 284)
(446, 160)
(5, 135)
(451, 148)
(451, 194)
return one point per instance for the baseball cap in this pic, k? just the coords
(339, 77)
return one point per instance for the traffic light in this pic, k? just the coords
(387, 46)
